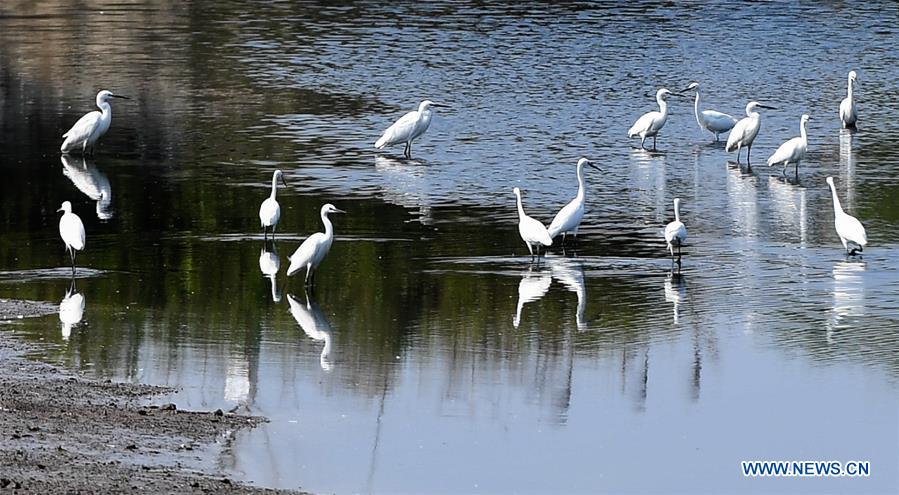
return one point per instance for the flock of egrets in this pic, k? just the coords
(85, 133)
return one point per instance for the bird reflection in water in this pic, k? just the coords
(848, 295)
(534, 285)
(675, 291)
(269, 264)
(71, 310)
(570, 272)
(90, 181)
(314, 323)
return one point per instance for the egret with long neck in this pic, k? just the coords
(651, 123)
(532, 232)
(793, 150)
(569, 217)
(852, 233)
(270, 210)
(848, 110)
(710, 120)
(91, 126)
(745, 131)
(314, 249)
(675, 232)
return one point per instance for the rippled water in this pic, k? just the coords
(432, 358)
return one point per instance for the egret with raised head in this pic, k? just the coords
(533, 233)
(848, 110)
(675, 232)
(91, 126)
(852, 233)
(710, 120)
(651, 123)
(793, 150)
(745, 131)
(409, 127)
(270, 210)
(314, 249)
(569, 217)
(71, 230)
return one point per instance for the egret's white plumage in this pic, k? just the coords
(314, 324)
(675, 232)
(408, 127)
(92, 182)
(710, 120)
(745, 131)
(792, 151)
(314, 249)
(533, 233)
(71, 310)
(852, 233)
(270, 210)
(91, 126)
(569, 217)
(848, 110)
(71, 230)
(651, 123)
(269, 264)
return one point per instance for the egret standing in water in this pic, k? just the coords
(710, 120)
(651, 123)
(409, 127)
(71, 229)
(848, 110)
(533, 233)
(745, 131)
(675, 232)
(270, 210)
(91, 126)
(792, 151)
(851, 232)
(314, 249)
(569, 217)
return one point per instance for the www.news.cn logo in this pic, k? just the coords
(806, 468)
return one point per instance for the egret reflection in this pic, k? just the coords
(847, 166)
(90, 181)
(406, 183)
(789, 204)
(570, 272)
(71, 310)
(534, 285)
(269, 264)
(675, 291)
(848, 295)
(314, 323)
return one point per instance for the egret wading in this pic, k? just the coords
(675, 232)
(710, 120)
(848, 110)
(91, 126)
(409, 127)
(533, 233)
(569, 217)
(851, 232)
(71, 230)
(314, 249)
(651, 123)
(745, 131)
(270, 210)
(792, 151)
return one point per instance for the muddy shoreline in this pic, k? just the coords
(63, 433)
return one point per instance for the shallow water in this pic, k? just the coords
(432, 357)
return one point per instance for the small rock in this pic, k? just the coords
(195, 484)
(169, 407)
(131, 447)
(34, 428)
(4, 482)
(142, 412)
(226, 481)
(219, 412)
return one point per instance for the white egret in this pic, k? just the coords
(71, 310)
(408, 127)
(533, 233)
(745, 131)
(91, 126)
(675, 232)
(848, 110)
(710, 120)
(269, 264)
(92, 182)
(851, 232)
(270, 210)
(71, 230)
(792, 151)
(314, 324)
(651, 123)
(569, 217)
(532, 287)
(314, 249)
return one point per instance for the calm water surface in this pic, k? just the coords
(432, 358)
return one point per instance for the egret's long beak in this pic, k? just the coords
(336, 210)
(440, 105)
(283, 181)
(688, 88)
(59, 209)
(766, 106)
(120, 96)
(594, 166)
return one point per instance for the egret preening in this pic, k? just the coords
(71, 230)
(848, 110)
(270, 210)
(851, 232)
(91, 126)
(569, 217)
(409, 127)
(745, 131)
(533, 233)
(651, 123)
(314, 249)
(710, 120)
(792, 151)
(675, 232)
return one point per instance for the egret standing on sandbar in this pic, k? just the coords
(651, 123)
(409, 127)
(71, 229)
(848, 110)
(569, 217)
(314, 249)
(851, 232)
(675, 232)
(710, 120)
(533, 233)
(745, 131)
(792, 151)
(91, 126)
(270, 210)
